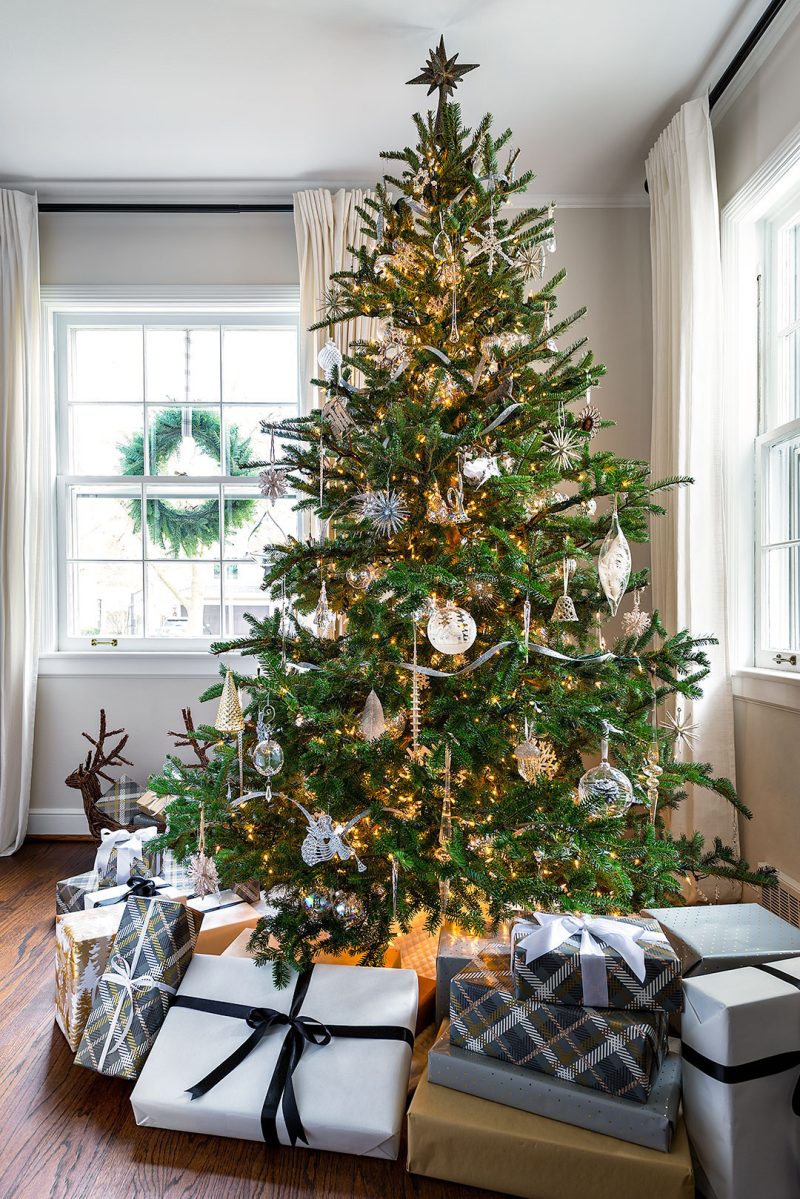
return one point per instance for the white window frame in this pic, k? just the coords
(64, 307)
(772, 431)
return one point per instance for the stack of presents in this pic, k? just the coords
(567, 1055)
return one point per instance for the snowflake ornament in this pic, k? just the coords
(386, 510)
(392, 353)
(563, 446)
(636, 622)
(487, 242)
(203, 875)
(681, 727)
(530, 261)
(272, 484)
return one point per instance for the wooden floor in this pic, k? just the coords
(67, 1133)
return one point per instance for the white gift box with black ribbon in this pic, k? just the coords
(741, 1079)
(322, 1063)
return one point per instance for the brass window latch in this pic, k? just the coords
(790, 658)
(105, 641)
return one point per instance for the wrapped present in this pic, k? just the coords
(239, 948)
(225, 916)
(71, 892)
(477, 1143)
(605, 1049)
(152, 805)
(121, 800)
(152, 949)
(123, 854)
(418, 948)
(426, 1007)
(174, 872)
(599, 961)
(230, 1058)
(456, 950)
(726, 936)
(741, 1032)
(106, 897)
(651, 1124)
(83, 946)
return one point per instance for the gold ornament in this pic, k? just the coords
(229, 713)
(535, 758)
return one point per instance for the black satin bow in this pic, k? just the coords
(143, 888)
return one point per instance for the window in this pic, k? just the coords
(158, 422)
(778, 448)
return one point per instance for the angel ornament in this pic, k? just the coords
(325, 840)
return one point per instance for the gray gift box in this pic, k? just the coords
(649, 1124)
(456, 950)
(726, 936)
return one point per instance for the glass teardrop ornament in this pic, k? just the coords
(614, 564)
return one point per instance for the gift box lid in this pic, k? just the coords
(350, 1093)
(740, 1017)
(717, 937)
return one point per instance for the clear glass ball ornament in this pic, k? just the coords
(347, 907)
(317, 901)
(360, 577)
(604, 790)
(267, 757)
(451, 630)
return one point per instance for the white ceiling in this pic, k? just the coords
(265, 95)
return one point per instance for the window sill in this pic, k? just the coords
(774, 688)
(133, 664)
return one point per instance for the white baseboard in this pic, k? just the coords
(57, 822)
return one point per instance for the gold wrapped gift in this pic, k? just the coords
(483, 1144)
(83, 946)
(153, 805)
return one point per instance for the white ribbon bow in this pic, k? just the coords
(122, 973)
(129, 847)
(553, 929)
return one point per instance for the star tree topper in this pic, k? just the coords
(441, 73)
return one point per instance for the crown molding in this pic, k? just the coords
(758, 56)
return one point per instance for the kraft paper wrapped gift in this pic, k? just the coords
(604, 1049)
(600, 961)
(83, 946)
(726, 936)
(70, 892)
(650, 1124)
(152, 949)
(152, 805)
(741, 1048)
(239, 949)
(455, 951)
(123, 854)
(106, 897)
(482, 1144)
(232, 1037)
(225, 917)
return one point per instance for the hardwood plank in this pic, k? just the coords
(69, 1133)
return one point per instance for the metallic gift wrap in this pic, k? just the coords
(718, 937)
(605, 1049)
(556, 976)
(83, 946)
(152, 950)
(456, 950)
(70, 892)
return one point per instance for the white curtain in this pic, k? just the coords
(325, 225)
(688, 545)
(21, 540)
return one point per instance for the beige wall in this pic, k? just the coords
(606, 254)
(767, 736)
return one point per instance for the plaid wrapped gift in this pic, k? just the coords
(121, 800)
(605, 1049)
(175, 873)
(83, 945)
(599, 961)
(71, 891)
(152, 950)
(123, 854)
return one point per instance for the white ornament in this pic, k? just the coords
(373, 723)
(330, 359)
(325, 840)
(535, 758)
(636, 622)
(614, 563)
(476, 470)
(565, 608)
(451, 630)
(323, 618)
(488, 243)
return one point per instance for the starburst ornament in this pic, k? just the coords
(386, 510)
(563, 447)
(334, 304)
(441, 74)
(636, 622)
(272, 482)
(682, 728)
(530, 260)
(589, 418)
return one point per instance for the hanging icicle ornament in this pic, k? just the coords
(535, 758)
(267, 755)
(202, 870)
(324, 619)
(526, 626)
(551, 215)
(372, 723)
(649, 776)
(489, 243)
(416, 752)
(385, 509)
(442, 247)
(681, 728)
(445, 830)
(601, 641)
(565, 608)
(272, 482)
(636, 622)
(395, 876)
(451, 630)
(550, 342)
(330, 359)
(230, 720)
(324, 840)
(605, 791)
(614, 563)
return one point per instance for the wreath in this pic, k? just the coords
(190, 528)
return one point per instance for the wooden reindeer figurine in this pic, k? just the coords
(86, 777)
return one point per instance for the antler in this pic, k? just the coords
(97, 762)
(190, 738)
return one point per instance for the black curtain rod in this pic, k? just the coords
(234, 208)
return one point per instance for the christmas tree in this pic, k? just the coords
(433, 684)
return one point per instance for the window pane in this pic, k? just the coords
(104, 599)
(103, 523)
(793, 273)
(780, 617)
(183, 599)
(183, 440)
(182, 364)
(259, 365)
(252, 523)
(182, 523)
(105, 439)
(107, 364)
(243, 594)
(782, 492)
(248, 443)
(789, 393)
